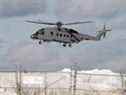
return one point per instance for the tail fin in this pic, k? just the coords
(102, 34)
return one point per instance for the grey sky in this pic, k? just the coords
(109, 53)
(21, 7)
(64, 7)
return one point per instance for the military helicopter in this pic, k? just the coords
(66, 36)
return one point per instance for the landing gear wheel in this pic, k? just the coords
(40, 42)
(70, 45)
(64, 45)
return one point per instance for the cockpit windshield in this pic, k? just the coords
(72, 31)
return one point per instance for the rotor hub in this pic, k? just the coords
(59, 24)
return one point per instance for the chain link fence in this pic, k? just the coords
(61, 83)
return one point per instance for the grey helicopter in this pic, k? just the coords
(66, 36)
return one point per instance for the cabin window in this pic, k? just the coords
(67, 35)
(64, 35)
(57, 34)
(60, 35)
(42, 33)
(86, 38)
(51, 33)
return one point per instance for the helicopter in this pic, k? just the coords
(66, 36)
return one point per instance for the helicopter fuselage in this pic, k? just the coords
(63, 35)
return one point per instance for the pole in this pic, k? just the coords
(71, 80)
(122, 80)
(75, 79)
(18, 80)
(75, 82)
(45, 81)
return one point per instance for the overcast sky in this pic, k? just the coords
(17, 47)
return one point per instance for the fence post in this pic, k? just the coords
(45, 85)
(122, 80)
(75, 79)
(18, 80)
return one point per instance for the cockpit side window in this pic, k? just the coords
(60, 35)
(41, 31)
(67, 35)
(57, 34)
(37, 33)
(51, 33)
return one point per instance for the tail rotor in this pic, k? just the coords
(102, 33)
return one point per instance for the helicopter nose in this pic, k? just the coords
(33, 37)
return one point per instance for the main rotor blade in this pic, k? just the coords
(40, 22)
(78, 23)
